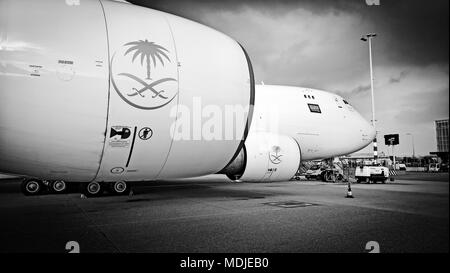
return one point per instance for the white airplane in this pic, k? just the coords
(96, 92)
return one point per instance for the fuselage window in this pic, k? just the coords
(314, 108)
(305, 96)
(312, 97)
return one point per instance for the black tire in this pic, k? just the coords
(329, 176)
(58, 186)
(119, 187)
(321, 176)
(32, 187)
(92, 189)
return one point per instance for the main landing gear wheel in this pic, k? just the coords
(32, 187)
(58, 186)
(120, 187)
(92, 189)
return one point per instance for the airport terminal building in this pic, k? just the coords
(442, 135)
(442, 139)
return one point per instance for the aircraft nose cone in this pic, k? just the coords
(369, 132)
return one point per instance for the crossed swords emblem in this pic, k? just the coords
(275, 158)
(149, 87)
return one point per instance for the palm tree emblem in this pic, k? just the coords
(145, 94)
(275, 158)
(148, 51)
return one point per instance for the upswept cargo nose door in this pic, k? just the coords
(143, 91)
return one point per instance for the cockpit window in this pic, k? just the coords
(314, 108)
(346, 102)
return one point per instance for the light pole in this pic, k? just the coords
(412, 137)
(365, 38)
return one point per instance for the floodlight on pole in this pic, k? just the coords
(365, 38)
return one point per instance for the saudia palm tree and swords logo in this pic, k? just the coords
(147, 93)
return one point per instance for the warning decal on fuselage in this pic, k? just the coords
(119, 137)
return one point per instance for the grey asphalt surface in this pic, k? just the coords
(211, 214)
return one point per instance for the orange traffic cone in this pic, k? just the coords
(349, 191)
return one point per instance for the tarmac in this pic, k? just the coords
(212, 214)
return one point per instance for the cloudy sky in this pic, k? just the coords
(316, 43)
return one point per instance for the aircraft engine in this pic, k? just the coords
(109, 91)
(265, 157)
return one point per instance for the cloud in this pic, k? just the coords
(316, 43)
(414, 31)
(408, 105)
(362, 89)
(397, 79)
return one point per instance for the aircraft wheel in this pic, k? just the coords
(58, 186)
(92, 189)
(32, 187)
(322, 177)
(120, 187)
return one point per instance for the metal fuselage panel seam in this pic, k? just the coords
(109, 89)
(178, 96)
